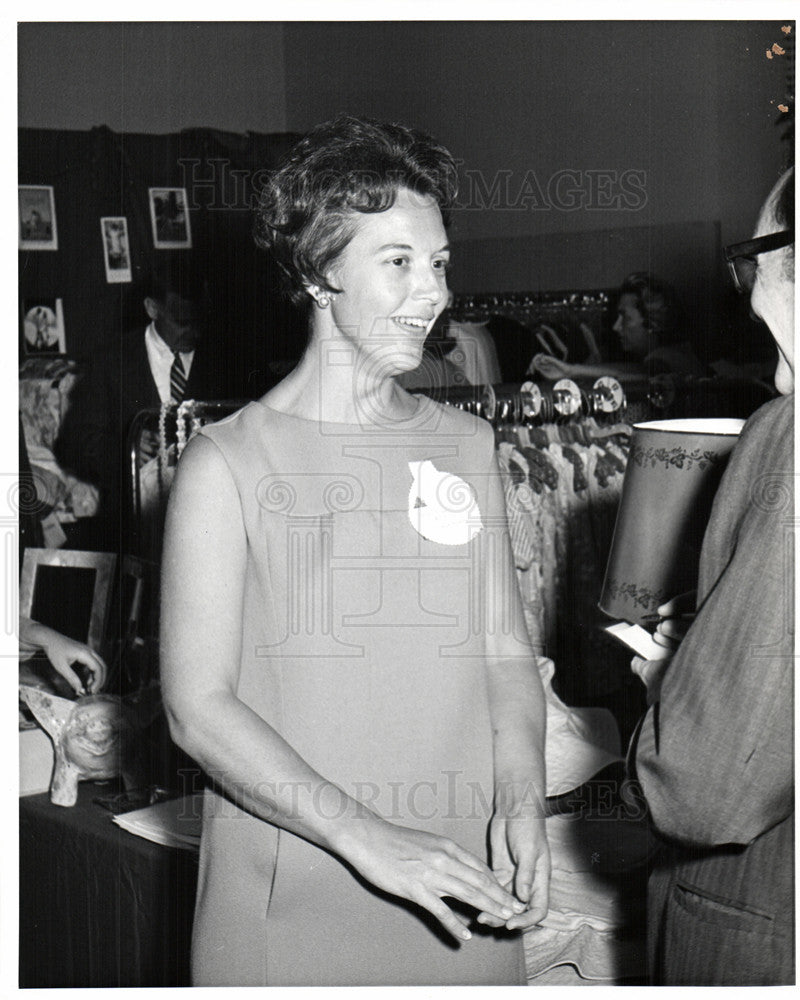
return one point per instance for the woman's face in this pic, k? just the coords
(392, 276)
(630, 328)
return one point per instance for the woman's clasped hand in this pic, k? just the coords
(426, 869)
(521, 862)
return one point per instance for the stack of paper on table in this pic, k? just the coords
(175, 823)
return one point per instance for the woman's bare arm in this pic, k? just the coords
(204, 564)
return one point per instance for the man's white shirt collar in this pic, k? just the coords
(154, 341)
(160, 358)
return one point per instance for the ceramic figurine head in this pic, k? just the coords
(88, 738)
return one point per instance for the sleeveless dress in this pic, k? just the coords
(377, 558)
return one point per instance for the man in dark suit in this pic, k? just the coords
(714, 755)
(165, 361)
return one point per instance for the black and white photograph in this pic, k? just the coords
(43, 326)
(37, 218)
(116, 253)
(430, 417)
(170, 218)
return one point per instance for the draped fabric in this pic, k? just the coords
(562, 486)
(56, 496)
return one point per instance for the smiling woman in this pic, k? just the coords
(392, 277)
(356, 220)
(368, 716)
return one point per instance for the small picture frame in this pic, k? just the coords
(116, 249)
(70, 591)
(37, 218)
(169, 215)
(43, 327)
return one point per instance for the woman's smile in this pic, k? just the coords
(413, 324)
(392, 280)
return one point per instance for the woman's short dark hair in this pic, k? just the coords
(344, 167)
(657, 303)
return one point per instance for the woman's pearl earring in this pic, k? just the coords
(323, 301)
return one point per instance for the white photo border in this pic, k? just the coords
(184, 243)
(60, 347)
(27, 242)
(116, 275)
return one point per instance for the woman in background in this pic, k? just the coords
(650, 334)
(343, 646)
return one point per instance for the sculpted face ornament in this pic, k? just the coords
(89, 736)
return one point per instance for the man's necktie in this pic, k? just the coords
(177, 380)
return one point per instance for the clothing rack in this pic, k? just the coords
(471, 307)
(567, 324)
(534, 403)
(538, 401)
(601, 402)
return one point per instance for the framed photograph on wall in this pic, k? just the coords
(116, 251)
(169, 216)
(43, 327)
(37, 218)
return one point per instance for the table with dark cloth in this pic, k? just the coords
(98, 905)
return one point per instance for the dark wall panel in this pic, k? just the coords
(99, 173)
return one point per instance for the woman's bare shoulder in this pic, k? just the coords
(203, 479)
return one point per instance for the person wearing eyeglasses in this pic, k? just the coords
(713, 755)
(743, 261)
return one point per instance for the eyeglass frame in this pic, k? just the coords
(752, 248)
